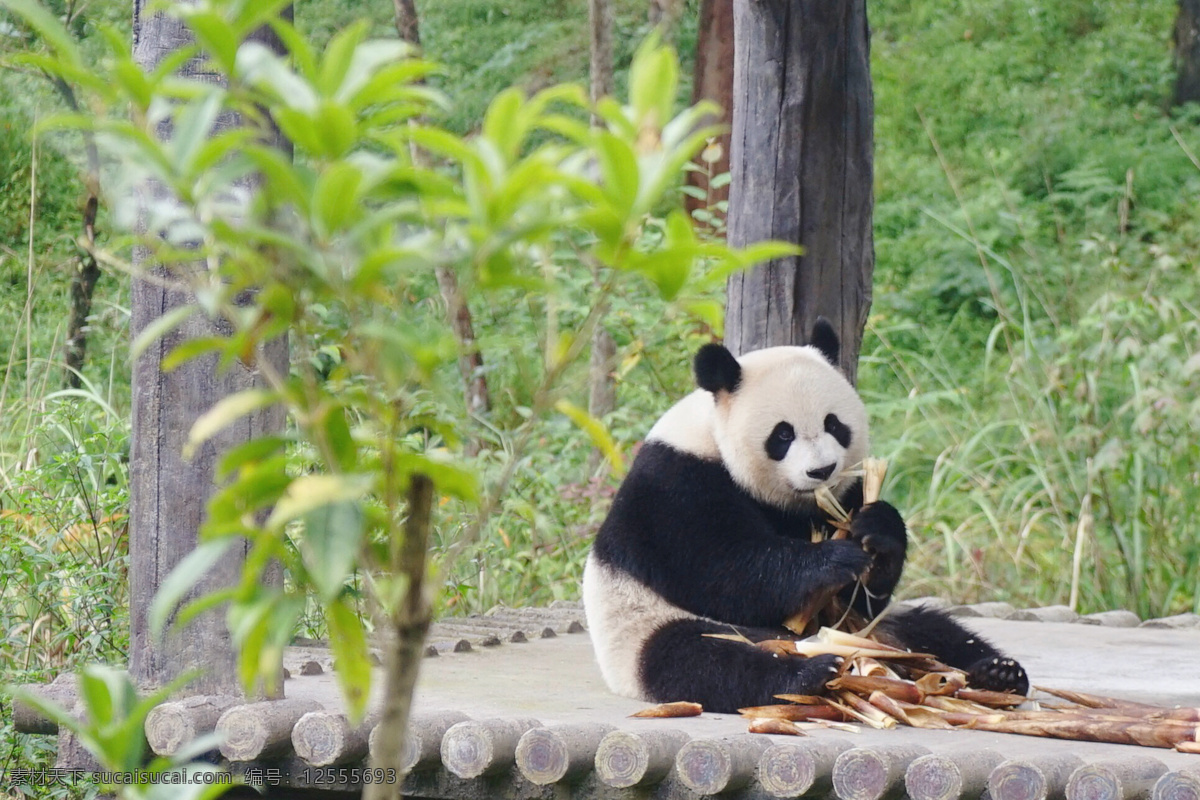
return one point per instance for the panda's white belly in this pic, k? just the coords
(622, 614)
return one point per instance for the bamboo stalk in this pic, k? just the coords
(793, 713)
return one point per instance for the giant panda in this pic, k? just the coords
(711, 532)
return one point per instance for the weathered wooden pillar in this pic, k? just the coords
(801, 171)
(1187, 53)
(168, 494)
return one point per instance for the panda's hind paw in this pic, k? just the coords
(998, 674)
(814, 672)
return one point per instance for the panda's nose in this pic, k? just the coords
(821, 473)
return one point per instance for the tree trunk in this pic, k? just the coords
(1187, 53)
(602, 389)
(408, 25)
(713, 80)
(470, 359)
(87, 271)
(802, 172)
(664, 15)
(83, 286)
(407, 625)
(168, 494)
(600, 21)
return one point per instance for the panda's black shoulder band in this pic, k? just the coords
(717, 370)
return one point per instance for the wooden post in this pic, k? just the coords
(423, 740)
(712, 766)
(1037, 778)
(168, 494)
(874, 772)
(172, 726)
(800, 770)
(261, 730)
(1125, 778)
(950, 777)
(323, 738)
(1187, 53)
(483, 747)
(561, 753)
(801, 172)
(625, 759)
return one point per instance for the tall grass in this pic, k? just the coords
(1059, 462)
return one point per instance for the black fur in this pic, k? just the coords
(780, 441)
(716, 369)
(825, 339)
(928, 630)
(839, 430)
(680, 662)
(681, 526)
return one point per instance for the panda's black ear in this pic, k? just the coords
(825, 339)
(717, 370)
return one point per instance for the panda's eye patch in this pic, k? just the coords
(779, 441)
(837, 429)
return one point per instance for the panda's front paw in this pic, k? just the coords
(998, 674)
(844, 562)
(814, 672)
(880, 531)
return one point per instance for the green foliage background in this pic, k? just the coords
(1031, 360)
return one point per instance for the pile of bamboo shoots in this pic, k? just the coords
(882, 687)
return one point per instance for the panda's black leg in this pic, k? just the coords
(680, 663)
(928, 630)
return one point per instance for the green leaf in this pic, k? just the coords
(348, 641)
(215, 36)
(188, 349)
(339, 439)
(339, 53)
(443, 143)
(225, 411)
(653, 82)
(284, 181)
(332, 536)
(161, 326)
(191, 130)
(258, 66)
(335, 198)
(251, 452)
(310, 492)
(373, 58)
(596, 431)
(710, 312)
(448, 477)
(502, 125)
(619, 167)
(95, 693)
(337, 129)
(183, 577)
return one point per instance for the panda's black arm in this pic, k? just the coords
(682, 527)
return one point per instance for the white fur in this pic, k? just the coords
(688, 426)
(622, 614)
(779, 384)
